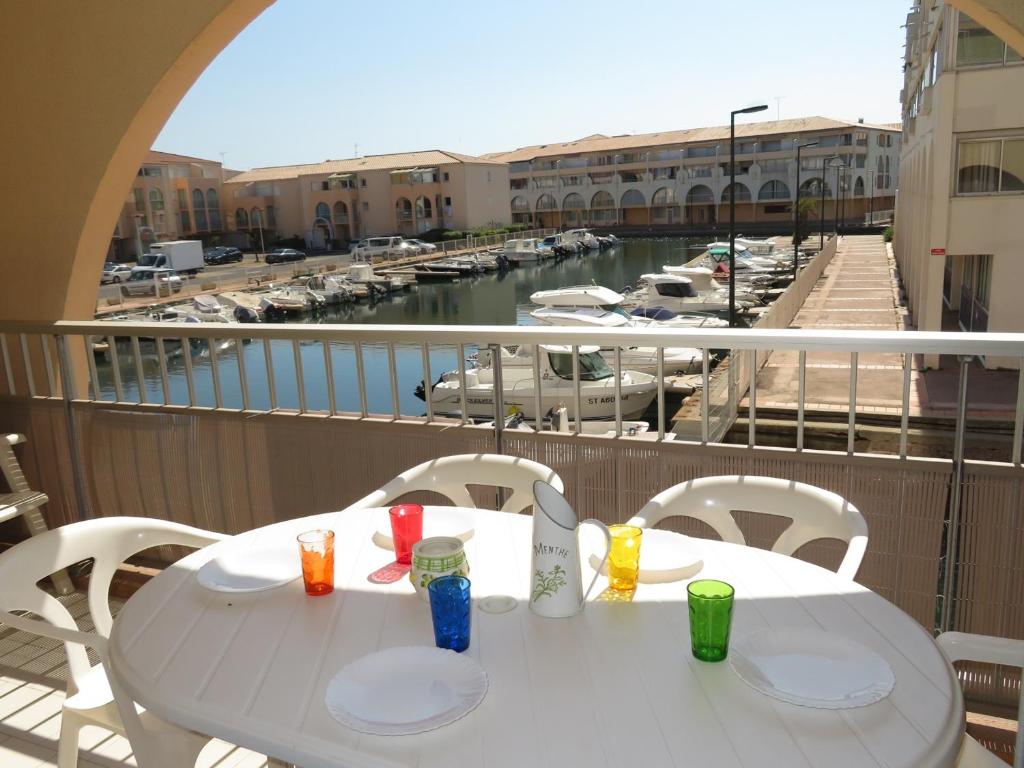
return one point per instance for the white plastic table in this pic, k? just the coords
(615, 685)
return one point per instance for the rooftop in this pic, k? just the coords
(355, 164)
(599, 142)
(155, 156)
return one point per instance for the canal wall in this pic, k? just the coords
(729, 383)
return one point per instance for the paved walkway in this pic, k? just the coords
(860, 291)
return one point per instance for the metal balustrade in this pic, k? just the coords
(356, 378)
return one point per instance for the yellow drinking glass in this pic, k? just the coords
(624, 557)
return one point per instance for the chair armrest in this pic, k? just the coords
(961, 646)
(13, 438)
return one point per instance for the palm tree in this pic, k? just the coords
(805, 209)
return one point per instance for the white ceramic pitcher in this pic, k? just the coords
(556, 582)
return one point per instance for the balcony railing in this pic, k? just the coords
(211, 423)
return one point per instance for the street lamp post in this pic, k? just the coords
(732, 206)
(796, 209)
(824, 167)
(835, 197)
(259, 224)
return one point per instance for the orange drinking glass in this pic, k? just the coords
(317, 551)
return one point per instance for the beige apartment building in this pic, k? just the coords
(173, 197)
(340, 200)
(961, 204)
(682, 177)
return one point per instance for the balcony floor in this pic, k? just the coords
(33, 671)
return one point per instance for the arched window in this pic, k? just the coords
(323, 211)
(633, 198)
(156, 200)
(403, 208)
(812, 188)
(199, 206)
(573, 202)
(602, 200)
(213, 208)
(700, 195)
(546, 203)
(340, 213)
(256, 217)
(858, 187)
(773, 190)
(664, 196)
(520, 204)
(423, 208)
(742, 193)
(241, 219)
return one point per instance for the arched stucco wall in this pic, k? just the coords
(87, 88)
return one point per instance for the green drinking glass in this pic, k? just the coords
(710, 618)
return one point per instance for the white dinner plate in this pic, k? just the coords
(812, 668)
(405, 690)
(437, 521)
(241, 569)
(664, 556)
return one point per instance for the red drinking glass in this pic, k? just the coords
(406, 530)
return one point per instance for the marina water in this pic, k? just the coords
(489, 299)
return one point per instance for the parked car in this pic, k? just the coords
(406, 248)
(115, 273)
(143, 282)
(423, 246)
(281, 255)
(222, 254)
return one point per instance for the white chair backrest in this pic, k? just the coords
(961, 646)
(109, 542)
(450, 475)
(816, 513)
(9, 465)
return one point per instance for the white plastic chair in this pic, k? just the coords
(960, 646)
(816, 513)
(450, 475)
(23, 501)
(90, 701)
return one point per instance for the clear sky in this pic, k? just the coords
(310, 79)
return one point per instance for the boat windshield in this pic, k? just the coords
(616, 309)
(592, 366)
(676, 290)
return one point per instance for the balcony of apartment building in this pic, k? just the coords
(237, 427)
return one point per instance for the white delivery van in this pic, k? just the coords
(378, 248)
(183, 256)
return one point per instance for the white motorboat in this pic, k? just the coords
(678, 294)
(209, 310)
(519, 251)
(595, 305)
(558, 387)
(559, 421)
(582, 236)
(245, 307)
(720, 252)
(363, 274)
(289, 299)
(601, 307)
(333, 290)
(704, 282)
(758, 247)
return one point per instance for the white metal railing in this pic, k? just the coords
(364, 372)
(31, 356)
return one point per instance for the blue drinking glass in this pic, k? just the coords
(450, 611)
